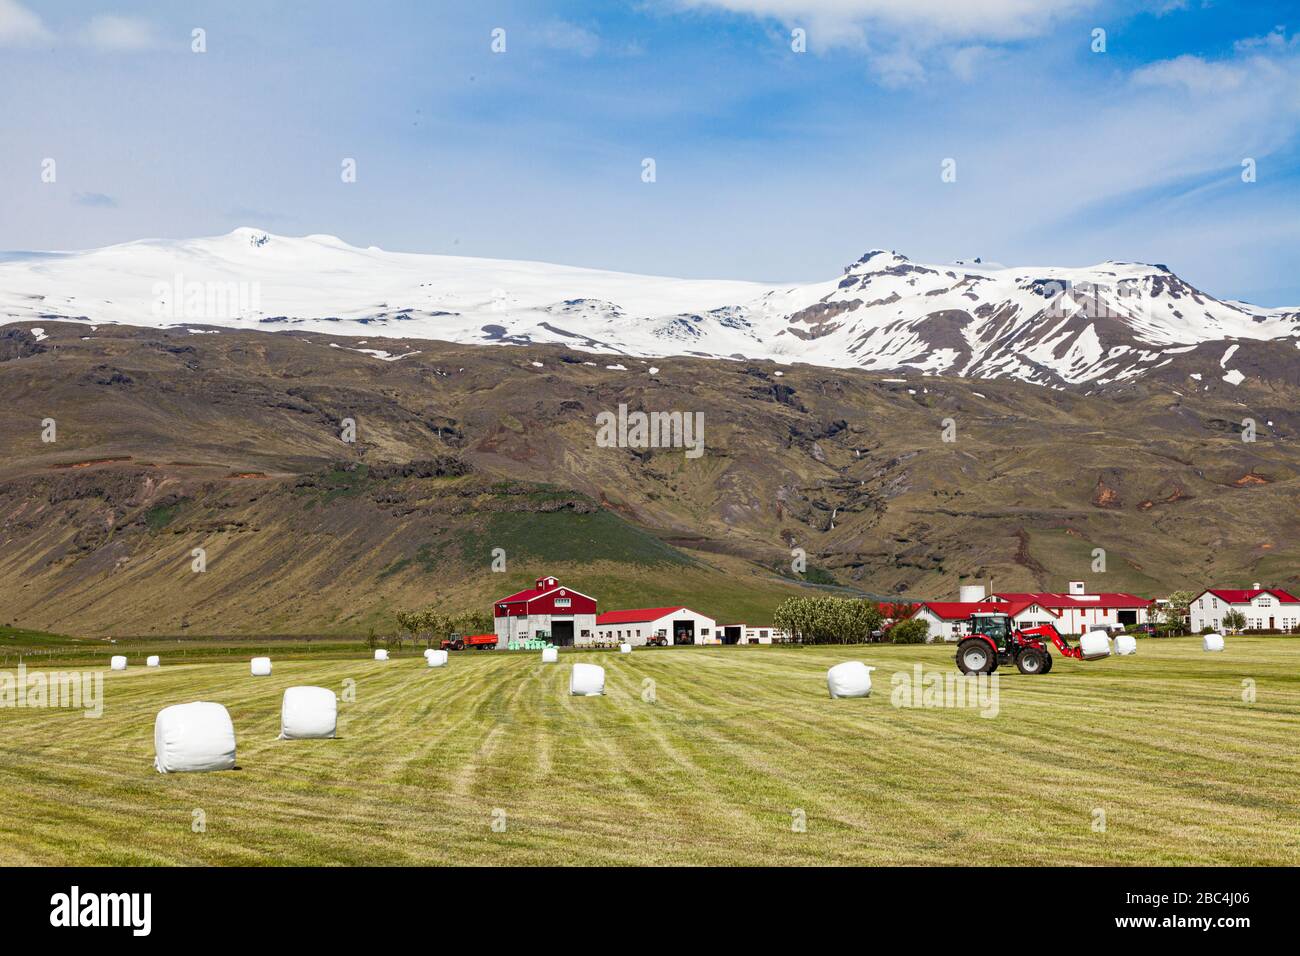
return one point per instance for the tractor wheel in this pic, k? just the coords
(1047, 661)
(1030, 661)
(974, 656)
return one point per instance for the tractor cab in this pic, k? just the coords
(996, 627)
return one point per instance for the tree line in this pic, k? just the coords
(835, 620)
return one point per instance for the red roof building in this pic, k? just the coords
(1265, 609)
(948, 619)
(1079, 611)
(659, 625)
(548, 610)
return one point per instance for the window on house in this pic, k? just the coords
(704, 632)
(1265, 601)
(563, 602)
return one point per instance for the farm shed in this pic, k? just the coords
(673, 625)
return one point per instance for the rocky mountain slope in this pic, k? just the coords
(167, 441)
(1053, 326)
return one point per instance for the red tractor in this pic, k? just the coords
(993, 641)
(481, 642)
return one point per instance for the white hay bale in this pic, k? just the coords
(308, 712)
(625, 648)
(193, 738)
(152, 661)
(550, 655)
(1095, 645)
(117, 662)
(1212, 642)
(427, 652)
(587, 680)
(849, 679)
(436, 658)
(1126, 644)
(261, 666)
(381, 654)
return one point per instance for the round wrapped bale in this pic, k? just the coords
(550, 655)
(849, 679)
(117, 662)
(625, 648)
(193, 738)
(152, 661)
(308, 712)
(1212, 642)
(381, 654)
(427, 652)
(587, 680)
(436, 658)
(261, 666)
(1126, 644)
(1095, 645)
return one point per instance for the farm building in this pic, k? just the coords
(1264, 608)
(750, 634)
(565, 616)
(1079, 611)
(678, 625)
(948, 619)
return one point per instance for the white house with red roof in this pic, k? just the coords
(1080, 611)
(676, 625)
(1265, 609)
(949, 620)
(548, 609)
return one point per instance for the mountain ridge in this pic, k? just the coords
(1055, 326)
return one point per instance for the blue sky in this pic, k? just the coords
(770, 164)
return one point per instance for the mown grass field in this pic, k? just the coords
(713, 772)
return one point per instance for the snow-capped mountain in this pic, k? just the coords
(1054, 326)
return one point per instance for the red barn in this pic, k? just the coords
(548, 608)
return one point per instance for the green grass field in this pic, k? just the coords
(738, 741)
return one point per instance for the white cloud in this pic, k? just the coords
(20, 27)
(903, 39)
(569, 38)
(120, 34)
(1192, 73)
(925, 20)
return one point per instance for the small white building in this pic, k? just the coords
(675, 625)
(948, 620)
(1265, 609)
(750, 634)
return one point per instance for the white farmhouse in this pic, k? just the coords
(1265, 609)
(671, 625)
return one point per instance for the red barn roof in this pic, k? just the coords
(1246, 595)
(543, 586)
(1049, 599)
(960, 610)
(637, 615)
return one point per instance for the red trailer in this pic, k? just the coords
(480, 642)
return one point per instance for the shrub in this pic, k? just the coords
(912, 631)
